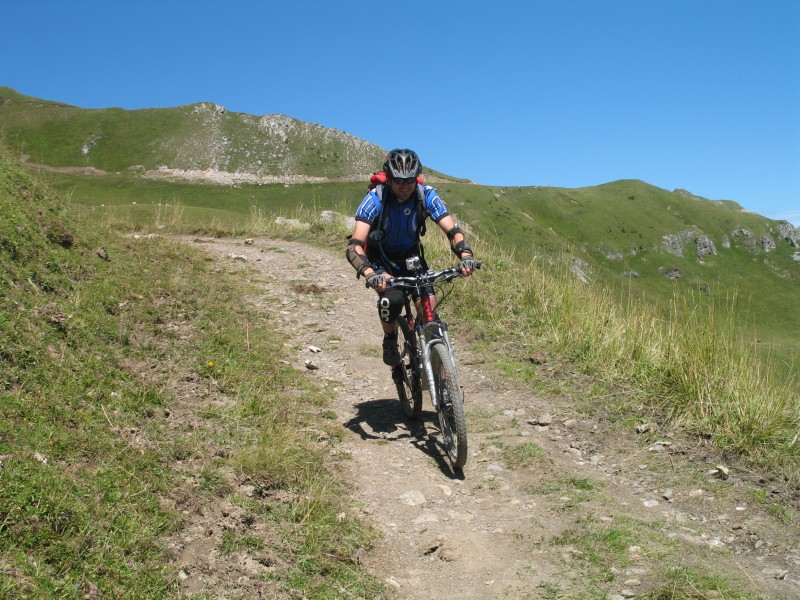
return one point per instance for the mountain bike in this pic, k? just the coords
(427, 358)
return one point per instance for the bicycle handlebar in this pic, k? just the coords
(429, 278)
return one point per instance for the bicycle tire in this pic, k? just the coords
(407, 375)
(450, 409)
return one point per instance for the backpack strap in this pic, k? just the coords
(377, 228)
(422, 214)
(382, 215)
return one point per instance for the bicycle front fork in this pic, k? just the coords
(441, 337)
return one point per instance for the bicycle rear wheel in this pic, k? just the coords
(406, 375)
(450, 406)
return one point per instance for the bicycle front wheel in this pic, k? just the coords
(450, 407)
(406, 375)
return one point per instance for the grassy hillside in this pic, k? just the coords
(686, 361)
(626, 236)
(136, 200)
(619, 228)
(198, 136)
(132, 388)
(614, 229)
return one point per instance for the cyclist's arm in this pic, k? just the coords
(355, 249)
(457, 237)
(459, 244)
(356, 255)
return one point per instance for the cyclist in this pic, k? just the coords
(389, 223)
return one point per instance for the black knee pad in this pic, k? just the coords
(390, 305)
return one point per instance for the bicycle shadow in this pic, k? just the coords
(383, 419)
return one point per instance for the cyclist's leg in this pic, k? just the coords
(390, 304)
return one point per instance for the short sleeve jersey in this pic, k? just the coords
(400, 224)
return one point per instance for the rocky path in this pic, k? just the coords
(553, 503)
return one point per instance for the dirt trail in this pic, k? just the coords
(496, 531)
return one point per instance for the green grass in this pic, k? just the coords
(602, 551)
(521, 455)
(572, 491)
(691, 369)
(750, 290)
(685, 358)
(91, 352)
(626, 220)
(694, 583)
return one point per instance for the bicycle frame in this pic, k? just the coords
(430, 329)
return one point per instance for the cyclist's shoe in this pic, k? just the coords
(391, 356)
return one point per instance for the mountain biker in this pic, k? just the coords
(387, 231)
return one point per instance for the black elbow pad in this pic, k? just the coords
(355, 258)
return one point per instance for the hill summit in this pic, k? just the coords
(197, 142)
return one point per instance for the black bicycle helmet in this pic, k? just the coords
(402, 164)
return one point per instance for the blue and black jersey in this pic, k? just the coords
(400, 224)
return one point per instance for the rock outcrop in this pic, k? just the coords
(790, 233)
(673, 243)
(704, 247)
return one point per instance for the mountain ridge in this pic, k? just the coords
(204, 142)
(195, 142)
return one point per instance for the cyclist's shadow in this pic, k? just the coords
(383, 419)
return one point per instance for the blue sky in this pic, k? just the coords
(702, 95)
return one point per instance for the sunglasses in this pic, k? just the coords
(405, 180)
